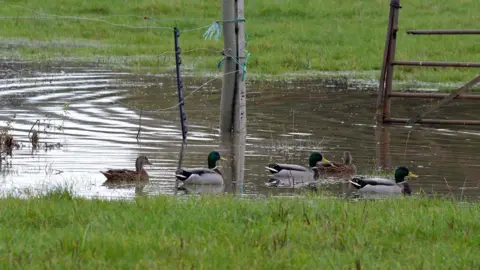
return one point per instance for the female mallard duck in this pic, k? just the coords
(203, 176)
(381, 185)
(295, 173)
(125, 175)
(337, 169)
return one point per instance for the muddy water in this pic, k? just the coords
(88, 120)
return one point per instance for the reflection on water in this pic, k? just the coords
(91, 117)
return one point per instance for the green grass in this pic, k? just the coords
(285, 36)
(61, 231)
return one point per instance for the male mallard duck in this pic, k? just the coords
(296, 173)
(125, 175)
(337, 169)
(381, 185)
(203, 176)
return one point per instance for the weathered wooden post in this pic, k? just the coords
(228, 90)
(229, 67)
(233, 99)
(240, 120)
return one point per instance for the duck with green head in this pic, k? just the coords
(292, 174)
(386, 186)
(203, 176)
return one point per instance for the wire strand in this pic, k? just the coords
(51, 16)
(176, 105)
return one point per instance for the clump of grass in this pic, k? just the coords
(6, 142)
(59, 192)
(220, 232)
(291, 37)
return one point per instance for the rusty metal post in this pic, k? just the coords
(444, 32)
(382, 140)
(435, 121)
(436, 64)
(390, 41)
(444, 101)
(395, 6)
(432, 95)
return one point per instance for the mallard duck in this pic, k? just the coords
(295, 173)
(382, 185)
(337, 169)
(203, 176)
(125, 175)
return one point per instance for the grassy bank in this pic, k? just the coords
(227, 233)
(284, 36)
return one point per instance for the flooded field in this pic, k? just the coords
(88, 121)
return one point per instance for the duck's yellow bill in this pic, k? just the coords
(325, 160)
(222, 158)
(412, 175)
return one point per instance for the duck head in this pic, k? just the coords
(140, 162)
(316, 157)
(212, 159)
(401, 173)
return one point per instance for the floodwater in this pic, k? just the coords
(88, 121)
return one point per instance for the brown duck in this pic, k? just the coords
(337, 169)
(125, 175)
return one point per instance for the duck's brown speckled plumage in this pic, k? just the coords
(126, 175)
(337, 169)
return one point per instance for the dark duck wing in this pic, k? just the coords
(200, 176)
(184, 173)
(277, 167)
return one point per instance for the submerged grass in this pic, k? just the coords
(284, 36)
(224, 232)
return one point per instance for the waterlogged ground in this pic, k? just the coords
(88, 119)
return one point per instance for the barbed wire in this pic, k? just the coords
(213, 32)
(177, 104)
(73, 58)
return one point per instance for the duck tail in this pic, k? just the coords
(182, 175)
(107, 175)
(273, 168)
(357, 182)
